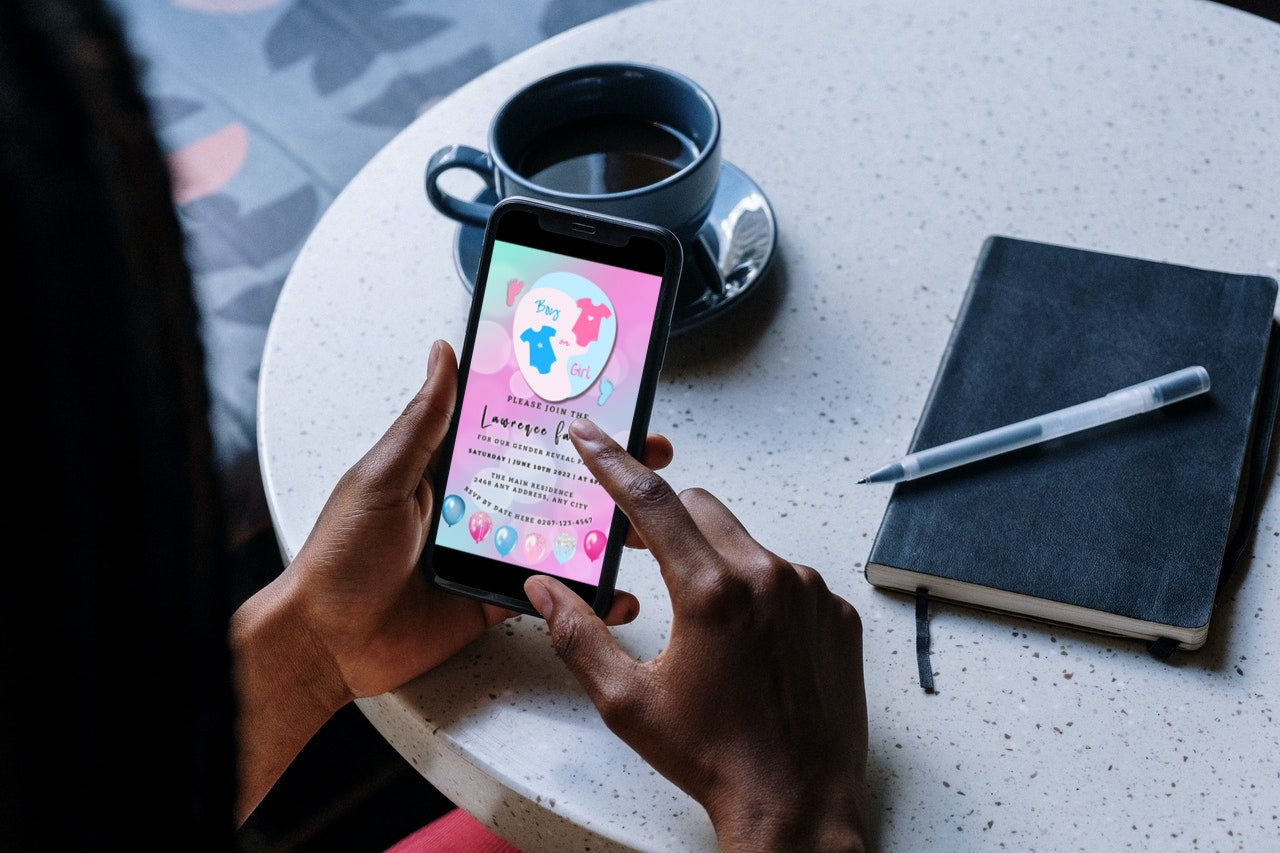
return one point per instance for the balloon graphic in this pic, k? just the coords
(535, 548)
(479, 526)
(563, 546)
(504, 539)
(452, 509)
(593, 543)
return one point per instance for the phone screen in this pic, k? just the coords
(563, 331)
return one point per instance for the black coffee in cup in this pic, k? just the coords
(617, 138)
(606, 155)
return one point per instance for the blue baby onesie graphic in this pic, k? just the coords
(541, 356)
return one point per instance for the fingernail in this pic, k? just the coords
(433, 357)
(539, 596)
(585, 430)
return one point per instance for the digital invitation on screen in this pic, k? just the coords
(559, 338)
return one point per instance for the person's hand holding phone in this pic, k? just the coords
(352, 615)
(756, 707)
(570, 314)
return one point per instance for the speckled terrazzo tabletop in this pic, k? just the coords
(891, 138)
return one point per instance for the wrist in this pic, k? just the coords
(287, 687)
(773, 821)
(828, 833)
(279, 657)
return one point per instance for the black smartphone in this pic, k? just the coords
(569, 319)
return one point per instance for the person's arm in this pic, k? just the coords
(756, 707)
(352, 615)
(286, 686)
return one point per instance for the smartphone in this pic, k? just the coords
(569, 319)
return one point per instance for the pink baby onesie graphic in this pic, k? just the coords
(587, 329)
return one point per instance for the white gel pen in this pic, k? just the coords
(1123, 403)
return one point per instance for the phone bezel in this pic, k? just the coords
(576, 233)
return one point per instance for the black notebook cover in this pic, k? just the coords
(1125, 528)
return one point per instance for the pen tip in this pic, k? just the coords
(863, 480)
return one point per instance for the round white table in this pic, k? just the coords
(891, 138)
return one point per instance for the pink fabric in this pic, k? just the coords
(453, 832)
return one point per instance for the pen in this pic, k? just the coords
(1123, 403)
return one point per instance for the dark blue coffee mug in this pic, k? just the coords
(622, 139)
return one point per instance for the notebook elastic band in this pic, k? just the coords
(923, 661)
(1161, 649)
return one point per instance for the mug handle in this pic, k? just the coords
(459, 157)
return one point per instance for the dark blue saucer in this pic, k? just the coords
(731, 254)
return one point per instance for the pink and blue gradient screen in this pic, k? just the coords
(558, 338)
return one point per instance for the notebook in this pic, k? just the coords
(1127, 528)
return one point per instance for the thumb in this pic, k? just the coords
(580, 638)
(406, 451)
